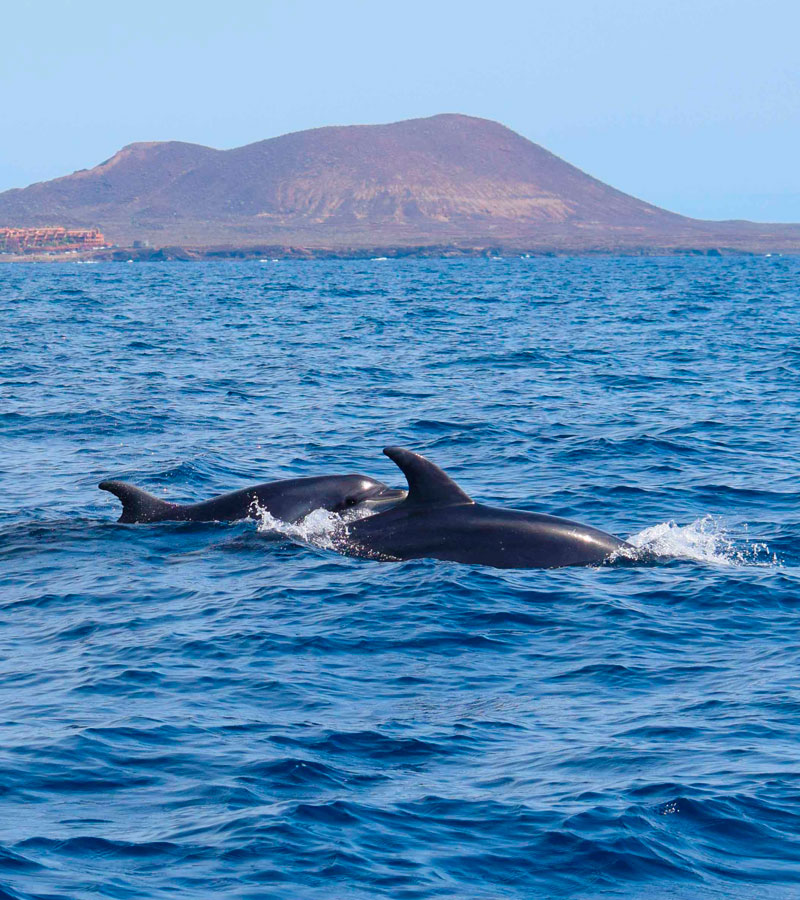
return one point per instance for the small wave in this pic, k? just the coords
(293, 773)
(704, 540)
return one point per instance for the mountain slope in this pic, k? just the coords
(134, 173)
(439, 169)
(449, 179)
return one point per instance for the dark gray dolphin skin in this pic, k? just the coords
(438, 520)
(289, 501)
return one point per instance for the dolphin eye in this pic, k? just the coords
(351, 501)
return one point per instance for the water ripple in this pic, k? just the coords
(237, 709)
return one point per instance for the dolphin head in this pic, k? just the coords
(363, 492)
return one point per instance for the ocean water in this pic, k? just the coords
(214, 710)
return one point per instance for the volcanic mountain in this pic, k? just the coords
(446, 181)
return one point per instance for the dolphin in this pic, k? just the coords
(290, 500)
(439, 520)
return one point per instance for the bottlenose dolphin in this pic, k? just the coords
(290, 500)
(439, 521)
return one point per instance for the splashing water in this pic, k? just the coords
(704, 540)
(320, 528)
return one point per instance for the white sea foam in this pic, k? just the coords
(320, 528)
(704, 540)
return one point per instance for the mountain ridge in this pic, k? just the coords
(445, 180)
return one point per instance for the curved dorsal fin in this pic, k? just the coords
(138, 505)
(427, 483)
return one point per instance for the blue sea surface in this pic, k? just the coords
(211, 710)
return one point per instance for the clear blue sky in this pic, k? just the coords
(690, 104)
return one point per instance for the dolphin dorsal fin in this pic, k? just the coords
(138, 505)
(427, 483)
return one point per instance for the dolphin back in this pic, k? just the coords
(138, 505)
(439, 520)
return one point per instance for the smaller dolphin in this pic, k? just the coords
(289, 501)
(439, 521)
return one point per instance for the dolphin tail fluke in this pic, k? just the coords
(138, 505)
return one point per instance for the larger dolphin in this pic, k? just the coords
(438, 520)
(290, 500)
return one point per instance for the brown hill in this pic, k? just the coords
(446, 180)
